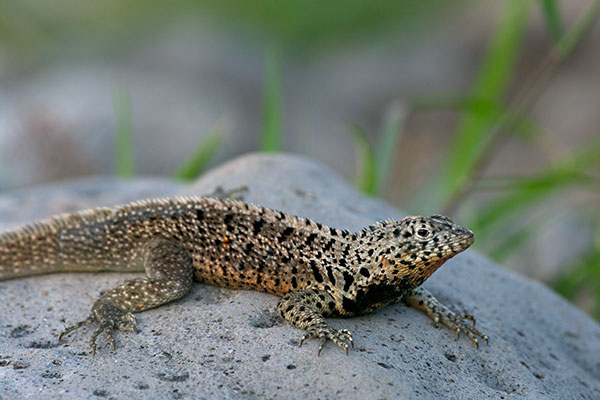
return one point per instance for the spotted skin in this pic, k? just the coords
(318, 271)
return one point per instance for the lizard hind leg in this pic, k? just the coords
(169, 272)
(305, 309)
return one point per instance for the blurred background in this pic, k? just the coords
(486, 111)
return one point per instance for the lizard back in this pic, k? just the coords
(231, 243)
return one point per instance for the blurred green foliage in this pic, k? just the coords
(473, 134)
(374, 162)
(552, 17)
(124, 156)
(202, 154)
(272, 136)
(30, 30)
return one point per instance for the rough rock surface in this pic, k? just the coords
(220, 343)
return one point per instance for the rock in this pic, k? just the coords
(221, 343)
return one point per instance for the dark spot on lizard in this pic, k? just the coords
(349, 306)
(315, 271)
(310, 238)
(364, 272)
(330, 275)
(348, 280)
(286, 232)
(257, 225)
(329, 245)
(228, 219)
(294, 282)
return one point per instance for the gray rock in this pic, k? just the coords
(220, 343)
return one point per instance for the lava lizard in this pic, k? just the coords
(318, 271)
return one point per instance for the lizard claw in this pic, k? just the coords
(109, 318)
(341, 337)
(453, 321)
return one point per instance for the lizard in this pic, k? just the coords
(318, 271)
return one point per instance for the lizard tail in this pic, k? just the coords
(37, 248)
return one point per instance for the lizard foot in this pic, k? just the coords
(341, 337)
(422, 300)
(109, 317)
(458, 324)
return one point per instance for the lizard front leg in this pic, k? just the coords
(421, 299)
(305, 309)
(169, 272)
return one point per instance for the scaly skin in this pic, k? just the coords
(317, 270)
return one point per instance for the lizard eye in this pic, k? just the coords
(423, 233)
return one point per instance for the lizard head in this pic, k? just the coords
(411, 249)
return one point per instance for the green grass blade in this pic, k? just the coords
(386, 145)
(202, 154)
(569, 40)
(124, 159)
(531, 191)
(365, 161)
(490, 85)
(271, 135)
(552, 18)
(521, 125)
